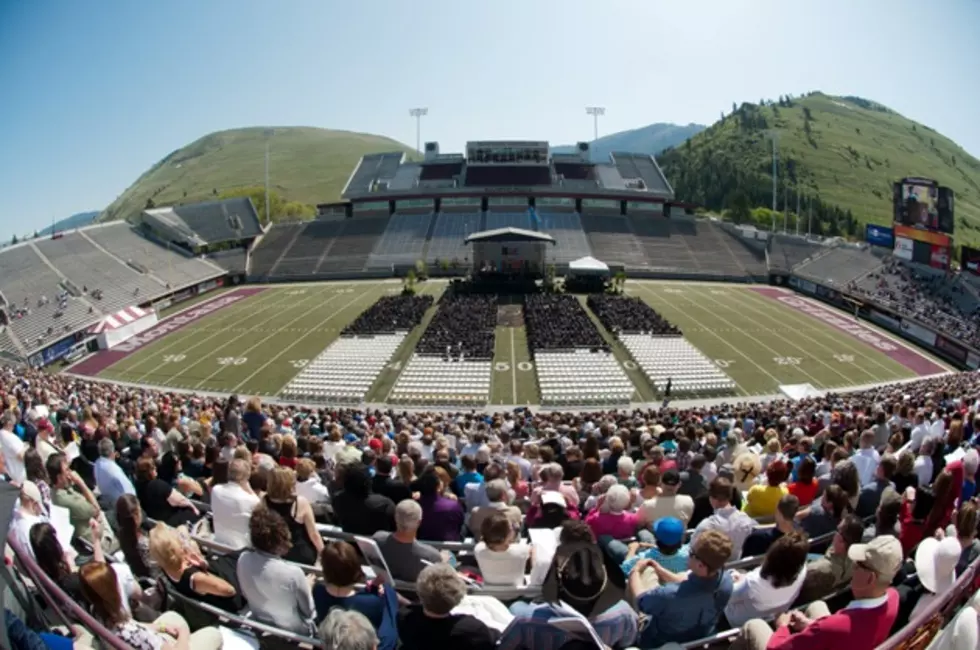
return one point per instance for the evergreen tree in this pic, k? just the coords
(13, 240)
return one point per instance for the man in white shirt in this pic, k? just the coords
(669, 503)
(45, 443)
(726, 518)
(919, 432)
(13, 449)
(109, 476)
(231, 506)
(517, 455)
(867, 458)
(29, 512)
(923, 463)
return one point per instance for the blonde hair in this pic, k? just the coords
(254, 404)
(242, 453)
(289, 446)
(282, 484)
(772, 445)
(305, 469)
(166, 549)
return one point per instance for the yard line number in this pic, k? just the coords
(787, 361)
(174, 358)
(523, 366)
(844, 358)
(724, 363)
(299, 363)
(232, 361)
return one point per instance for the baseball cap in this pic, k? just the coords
(669, 531)
(935, 563)
(883, 555)
(30, 490)
(375, 444)
(671, 477)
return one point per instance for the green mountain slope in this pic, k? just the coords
(844, 151)
(650, 139)
(306, 165)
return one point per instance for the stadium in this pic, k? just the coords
(568, 328)
(203, 298)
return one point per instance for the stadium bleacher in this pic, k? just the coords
(612, 240)
(451, 229)
(232, 260)
(213, 221)
(270, 249)
(497, 219)
(371, 168)
(787, 251)
(353, 245)
(570, 240)
(838, 266)
(403, 241)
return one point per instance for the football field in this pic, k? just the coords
(254, 340)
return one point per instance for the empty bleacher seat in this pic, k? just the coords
(403, 241)
(451, 229)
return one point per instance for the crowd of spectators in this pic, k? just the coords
(630, 315)
(390, 314)
(824, 500)
(558, 322)
(930, 297)
(462, 328)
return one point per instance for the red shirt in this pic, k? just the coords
(805, 492)
(287, 462)
(862, 625)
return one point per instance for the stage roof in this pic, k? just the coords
(509, 234)
(588, 266)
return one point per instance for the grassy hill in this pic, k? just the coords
(650, 139)
(845, 151)
(74, 221)
(306, 165)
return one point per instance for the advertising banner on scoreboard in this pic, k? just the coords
(918, 332)
(879, 236)
(970, 259)
(925, 236)
(904, 248)
(939, 258)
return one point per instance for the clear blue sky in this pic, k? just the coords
(93, 93)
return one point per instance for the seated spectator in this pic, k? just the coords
(685, 607)
(168, 632)
(870, 495)
(170, 470)
(515, 477)
(467, 476)
(402, 552)
(905, 476)
(763, 537)
(377, 602)
(382, 483)
(357, 508)
(923, 466)
(160, 501)
(306, 541)
(576, 585)
(501, 560)
(345, 629)
(288, 452)
(863, 625)
(442, 518)
(832, 572)
(966, 534)
(277, 591)
(669, 503)
(804, 487)
(109, 476)
(886, 517)
(191, 580)
(70, 492)
(28, 512)
(309, 486)
(772, 587)
(746, 468)
(823, 517)
(694, 483)
(761, 500)
(133, 540)
(736, 525)
(36, 472)
(497, 494)
(552, 480)
(669, 551)
(431, 624)
(232, 504)
(611, 522)
(59, 563)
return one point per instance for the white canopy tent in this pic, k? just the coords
(588, 266)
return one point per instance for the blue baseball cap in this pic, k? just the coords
(351, 437)
(669, 531)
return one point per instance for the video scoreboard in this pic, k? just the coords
(924, 222)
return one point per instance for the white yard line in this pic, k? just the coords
(733, 347)
(290, 346)
(275, 333)
(180, 338)
(513, 365)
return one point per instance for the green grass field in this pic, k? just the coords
(256, 346)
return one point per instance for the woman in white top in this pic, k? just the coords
(771, 588)
(308, 484)
(501, 561)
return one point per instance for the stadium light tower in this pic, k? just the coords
(774, 136)
(596, 112)
(418, 114)
(268, 139)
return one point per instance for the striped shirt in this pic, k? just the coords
(618, 627)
